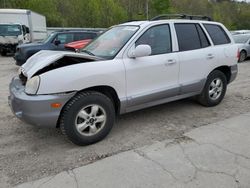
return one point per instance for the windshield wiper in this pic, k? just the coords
(88, 52)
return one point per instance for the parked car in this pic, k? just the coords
(55, 41)
(77, 45)
(131, 66)
(238, 32)
(244, 45)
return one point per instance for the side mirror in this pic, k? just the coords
(77, 50)
(141, 51)
(27, 30)
(57, 42)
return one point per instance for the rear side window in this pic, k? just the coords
(217, 34)
(203, 38)
(158, 38)
(188, 36)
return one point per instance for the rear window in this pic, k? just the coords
(217, 34)
(190, 36)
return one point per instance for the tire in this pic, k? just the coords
(243, 56)
(3, 53)
(87, 118)
(213, 92)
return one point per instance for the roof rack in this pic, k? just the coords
(182, 16)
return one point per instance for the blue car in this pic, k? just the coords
(55, 41)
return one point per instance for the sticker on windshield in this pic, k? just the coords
(129, 28)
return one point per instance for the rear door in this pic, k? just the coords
(195, 55)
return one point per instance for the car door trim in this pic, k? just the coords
(140, 101)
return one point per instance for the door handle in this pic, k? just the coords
(170, 62)
(210, 56)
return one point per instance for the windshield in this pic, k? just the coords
(241, 38)
(111, 42)
(10, 30)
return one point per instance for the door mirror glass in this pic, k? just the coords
(27, 30)
(141, 51)
(57, 42)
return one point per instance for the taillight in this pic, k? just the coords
(238, 54)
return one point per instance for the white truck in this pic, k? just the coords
(19, 26)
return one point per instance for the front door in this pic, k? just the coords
(152, 78)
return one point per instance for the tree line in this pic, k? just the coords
(105, 13)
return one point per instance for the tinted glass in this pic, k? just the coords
(83, 36)
(65, 38)
(203, 37)
(158, 38)
(188, 37)
(217, 34)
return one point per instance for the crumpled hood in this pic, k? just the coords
(46, 57)
(9, 39)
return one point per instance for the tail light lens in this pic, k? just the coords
(238, 54)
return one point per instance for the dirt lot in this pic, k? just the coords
(28, 153)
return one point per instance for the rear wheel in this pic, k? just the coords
(87, 118)
(214, 90)
(243, 56)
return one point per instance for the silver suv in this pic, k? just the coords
(131, 66)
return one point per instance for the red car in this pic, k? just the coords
(77, 45)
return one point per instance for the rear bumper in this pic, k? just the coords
(234, 72)
(35, 109)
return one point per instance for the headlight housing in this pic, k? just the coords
(32, 85)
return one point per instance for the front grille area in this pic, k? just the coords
(23, 79)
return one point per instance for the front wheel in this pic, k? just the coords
(214, 90)
(87, 118)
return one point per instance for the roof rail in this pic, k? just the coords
(181, 16)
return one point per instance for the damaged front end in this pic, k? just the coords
(46, 60)
(41, 109)
(8, 44)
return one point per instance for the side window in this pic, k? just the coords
(203, 37)
(65, 38)
(24, 29)
(83, 36)
(188, 37)
(217, 34)
(159, 38)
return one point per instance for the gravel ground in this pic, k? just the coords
(28, 153)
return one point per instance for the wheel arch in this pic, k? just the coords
(225, 70)
(104, 89)
(109, 92)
